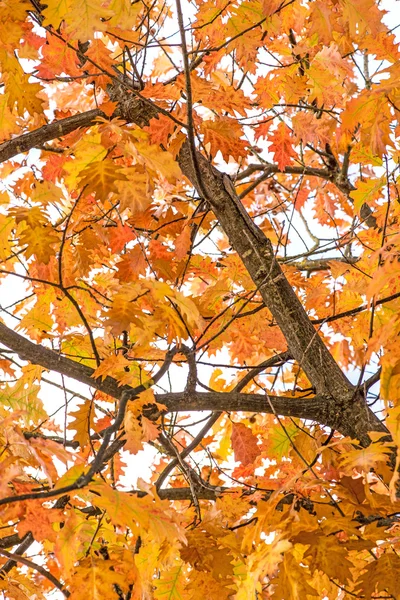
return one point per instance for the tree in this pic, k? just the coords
(204, 193)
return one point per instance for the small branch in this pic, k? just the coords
(321, 264)
(28, 563)
(354, 311)
(270, 362)
(203, 493)
(372, 380)
(28, 435)
(193, 444)
(186, 470)
(335, 176)
(26, 541)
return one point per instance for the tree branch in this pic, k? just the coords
(24, 544)
(38, 137)
(319, 408)
(38, 568)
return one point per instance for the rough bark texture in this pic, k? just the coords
(348, 409)
(38, 137)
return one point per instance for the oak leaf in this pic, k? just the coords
(281, 146)
(83, 422)
(101, 177)
(244, 444)
(224, 135)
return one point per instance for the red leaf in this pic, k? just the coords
(244, 444)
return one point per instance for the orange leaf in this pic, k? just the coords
(281, 146)
(224, 135)
(83, 422)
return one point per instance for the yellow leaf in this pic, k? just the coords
(55, 11)
(124, 310)
(8, 122)
(23, 93)
(85, 17)
(38, 321)
(7, 225)
(393, 423)
(127, 510)
(260, 563)
(292, 583)
(364, 458)
(170, 585)
(82, 423)
(158, 160)
(96, 579)
(135, 193)
(46, 192)
(217, 381)
(112, 366)
(125, 13)
(86, 151)
(134, 433)
(40, 242)
(328, 555)
(68, 548)
(390, 376)
(366, 192)
(70, 476)
(101, 177)
(16, 591)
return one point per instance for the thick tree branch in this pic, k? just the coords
(184, 493)
(304, 342)
(336, 176)
(38, 137)
(319, 408)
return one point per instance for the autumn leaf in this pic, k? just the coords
(135, 191)
(87, 16)
(57, 58)
(293, 581)
(158, 160)
(380, 575)
(170, 584)
(327, 555)
(244, 444)
(224, 135)
(7, 122)
(96, 577)
(366, 192)
(101, 177)
(82, 423)
(281, 146)
(22, 93)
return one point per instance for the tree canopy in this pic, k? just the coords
(200, 258)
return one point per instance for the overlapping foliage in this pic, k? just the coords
(199, 212)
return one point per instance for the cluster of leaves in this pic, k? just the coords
(126, 272)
